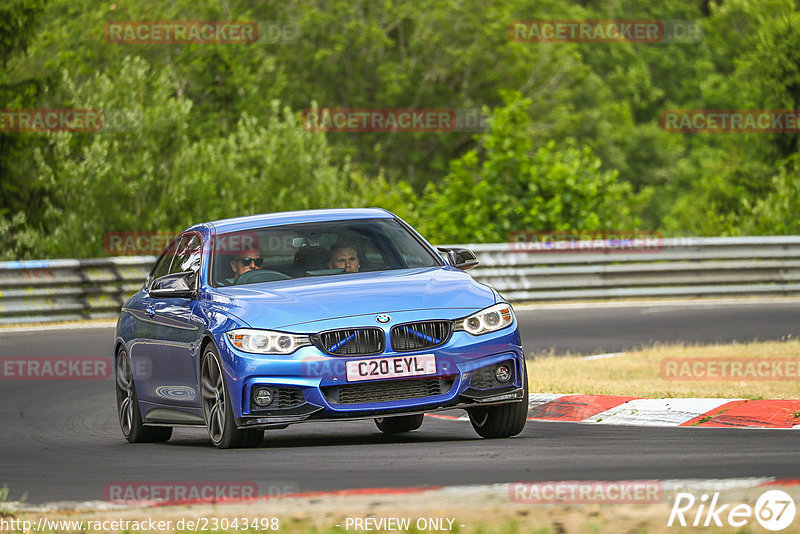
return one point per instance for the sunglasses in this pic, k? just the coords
(245, 261)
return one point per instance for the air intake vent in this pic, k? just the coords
(389, 390)
(351, 341)
(422, 335)
(289, 398)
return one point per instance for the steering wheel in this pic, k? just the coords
(260, 275)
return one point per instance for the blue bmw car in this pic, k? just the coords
(260, 322)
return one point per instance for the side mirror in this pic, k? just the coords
(460, 258)
(173, 286)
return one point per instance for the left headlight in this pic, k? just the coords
(266, 341)
(487, 320)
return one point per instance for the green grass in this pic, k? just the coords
(4, 509)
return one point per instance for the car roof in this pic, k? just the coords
(294, 217)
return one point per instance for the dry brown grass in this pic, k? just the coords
(638, 373)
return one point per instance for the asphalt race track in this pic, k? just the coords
(617, 328)
(60, 440)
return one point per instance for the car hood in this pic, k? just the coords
(287, 303)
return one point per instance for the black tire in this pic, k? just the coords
(217, 409)
(399, 424)
(503, 420)
(128, 411)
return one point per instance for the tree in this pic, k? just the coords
(19, 21)
(510, 185)
(145, 173)
(776, 213)
(723, 175)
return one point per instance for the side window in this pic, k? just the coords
(162, 265)
(411, 252)
(373, 255)
(188, 256)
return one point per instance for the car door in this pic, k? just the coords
(162, 356)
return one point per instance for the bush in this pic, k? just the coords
(508, 185)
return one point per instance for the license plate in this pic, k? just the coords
(398, 366)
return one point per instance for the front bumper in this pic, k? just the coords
(317, 389)
(314, 413)
(310, 385)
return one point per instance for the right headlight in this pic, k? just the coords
(266, 341)
(487, 320)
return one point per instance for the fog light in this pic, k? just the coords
(263, 397)
(503, 373)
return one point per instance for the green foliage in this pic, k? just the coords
(423, 54)
(574, 142)
(510, 185)
(262, 166)
(777, 212)
(18, 19)
(725, 175)
(19, 22)
(17, 238)
(86, 173)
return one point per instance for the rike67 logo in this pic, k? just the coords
(774, 510)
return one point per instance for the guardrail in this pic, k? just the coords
(64, 290)
(681, 267)
(60, 290)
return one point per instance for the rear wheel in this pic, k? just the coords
(217, 407)
(504, 420)
(130, 415)
(399, 424)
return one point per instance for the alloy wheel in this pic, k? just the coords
(125, 398)
(213, 391)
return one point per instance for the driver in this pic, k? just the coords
(249, 260)
(344, 256)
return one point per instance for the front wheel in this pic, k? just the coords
(399, 424)
(217, 408)
(504, 420)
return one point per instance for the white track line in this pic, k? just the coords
(656, 412)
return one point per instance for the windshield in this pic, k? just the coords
(316, 249)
